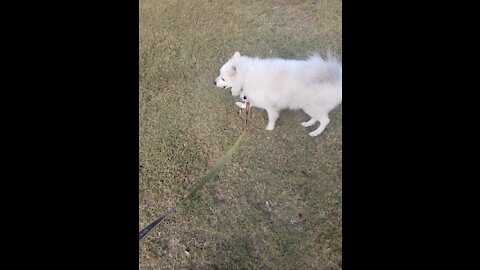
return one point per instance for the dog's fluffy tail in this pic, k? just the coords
(318, 70)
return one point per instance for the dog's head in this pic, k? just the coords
(228, 73)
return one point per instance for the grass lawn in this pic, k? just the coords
(278, 203)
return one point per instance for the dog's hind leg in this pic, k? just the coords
(309, 123)
(321, 116)
(272, 117)
(324, 120)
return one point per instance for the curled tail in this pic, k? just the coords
(319, 70)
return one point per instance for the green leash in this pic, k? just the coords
(209, 176)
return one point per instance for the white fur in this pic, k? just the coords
(241, 105)
(313, 85)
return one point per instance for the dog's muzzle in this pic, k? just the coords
(215, 83)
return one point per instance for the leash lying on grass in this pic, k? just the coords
(213, 171)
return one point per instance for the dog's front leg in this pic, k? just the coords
(273, 114)
(242, 104)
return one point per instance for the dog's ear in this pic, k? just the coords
(236, 55)
(233, 71)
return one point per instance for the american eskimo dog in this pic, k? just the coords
(313, 85)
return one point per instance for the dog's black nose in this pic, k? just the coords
(214, 82)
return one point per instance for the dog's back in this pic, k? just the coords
(293, 84)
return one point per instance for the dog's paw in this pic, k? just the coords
(240, 104)
(314, 133)
(270, 127)
(309, 123)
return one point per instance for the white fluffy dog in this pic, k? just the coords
(313, 85)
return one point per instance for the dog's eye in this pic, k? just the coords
(222, 78)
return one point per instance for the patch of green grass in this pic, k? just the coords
(277, 203)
